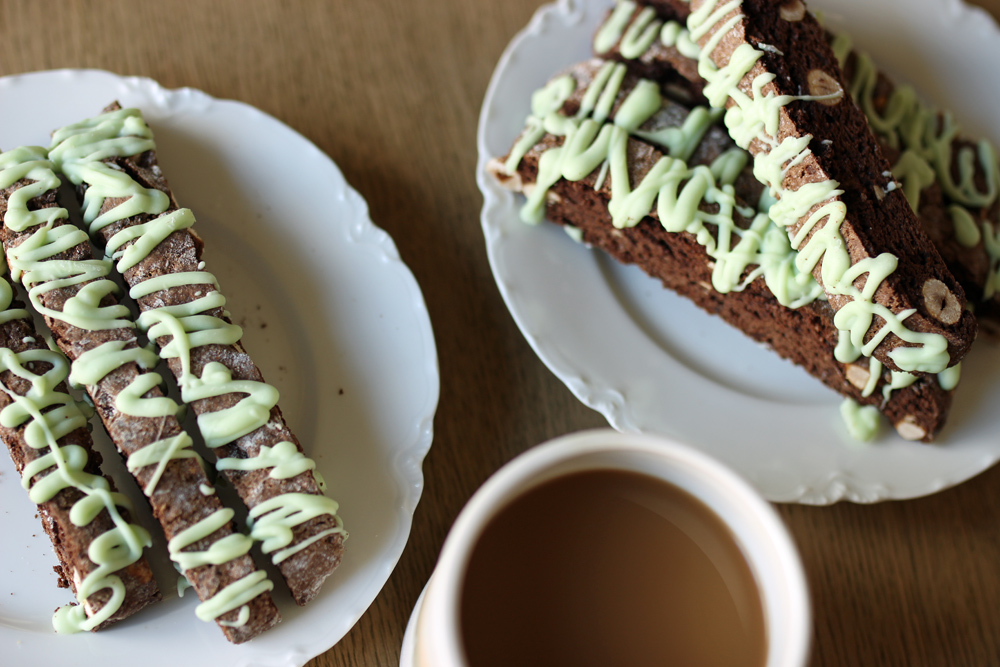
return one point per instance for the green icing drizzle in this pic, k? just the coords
(160, 453)
(146, 236)
(241, 619)
(915, 174)
(168, 280)
(284, 460)
(948, 378)
(234, 596)
(221, 551)
(189, 328)
(906, 123)
(250, 413)
(673, 34)
(874, 372)
(862, 421)
(574, 233)
(91, 366)
(182, 585)
(635, 38)
(899, 380)
(271, 522)
(609, 33)
(681, 142)
(966, 231)
(641, 34)
(991, 241)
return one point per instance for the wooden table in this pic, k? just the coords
(391, 90)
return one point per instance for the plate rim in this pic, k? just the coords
(358, 228)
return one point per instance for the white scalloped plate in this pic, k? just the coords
(650, 361)
(332, 316)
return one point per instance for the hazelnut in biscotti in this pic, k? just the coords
(769, 65)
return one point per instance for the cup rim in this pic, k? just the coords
(526, 471)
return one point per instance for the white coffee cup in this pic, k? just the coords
(434, 637)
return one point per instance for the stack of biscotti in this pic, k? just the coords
(112, 160)
(909, 393)
(787, 105)
(132, 213)
(54, 260)
(950, 181)
(100, 550)
(683, 251)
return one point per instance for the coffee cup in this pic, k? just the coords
(613, 548)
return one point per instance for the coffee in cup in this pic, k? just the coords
(610, 567)
(605, 548)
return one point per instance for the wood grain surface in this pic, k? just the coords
(391, 90)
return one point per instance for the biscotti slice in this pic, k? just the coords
(132, 213)
(100, 550)
(53, 259)
(653, 184)
(787, 104)
(936, 164)
(949, 180)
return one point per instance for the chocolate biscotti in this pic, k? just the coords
(53, 259)
(132, 213)
(787, 103)
(100, 550)
(950, 181)
(658, 185)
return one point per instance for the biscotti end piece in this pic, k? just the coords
(788, 105)
(32, 377)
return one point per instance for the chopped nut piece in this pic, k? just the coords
(940, 302)
(909, 429)
(822, 84)
(857, 375)
(793, 10)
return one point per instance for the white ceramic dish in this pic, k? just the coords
(408, 651)
(332, 316)
(650, 361)
(435, 637)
